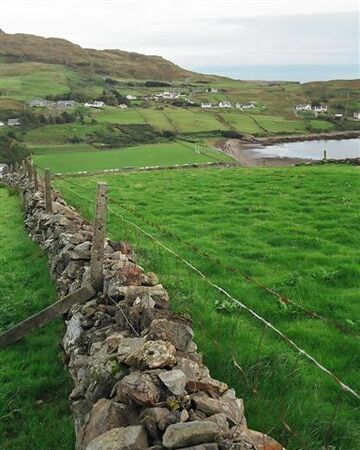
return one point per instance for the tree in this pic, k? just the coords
(11, 150)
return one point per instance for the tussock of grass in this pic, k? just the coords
(34, 411)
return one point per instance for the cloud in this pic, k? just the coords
(200, 32)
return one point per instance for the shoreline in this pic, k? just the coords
(245, 150)
(332, 135)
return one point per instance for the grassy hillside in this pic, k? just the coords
(34, 411)
(296, 230)
(25, 47)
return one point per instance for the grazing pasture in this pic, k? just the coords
(294, 230)
(34, 411)
(164, 154)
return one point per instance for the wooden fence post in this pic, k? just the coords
(47, 192)
(325, 155)
(97, 251)
(36, 179)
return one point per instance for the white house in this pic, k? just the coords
(212, 90)
(2, 124)
(14, 122)
(225, 105)
(123, 106)
(338, 116)
(303, 107)
(167, 95)
(356, 115)
(320, 108)
(245, 105)
(131, 97)
(206, 105)
(95, 104)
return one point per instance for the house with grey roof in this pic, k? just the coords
(14, 122)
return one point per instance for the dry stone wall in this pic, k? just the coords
(138, 381)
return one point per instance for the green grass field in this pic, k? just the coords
(294, 229)
(165, 154)
(59, 134)
(26, 81)
(64, 148)
(34, 411)
(117, 115)
(277, 125)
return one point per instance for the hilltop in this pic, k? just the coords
(17, 48)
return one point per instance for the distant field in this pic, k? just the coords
(242, 123)
(65, 148)
(146, 155)
(26, 81)
(157, 118)
(59, 134)
(294, 229)
(275, 124)
(34, 410)
(190, 121)
(321, 125)
(117, 115)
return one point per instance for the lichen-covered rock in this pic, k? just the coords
(189, 433)
(153, 355)
(129, 438)
(128, 346)
(139, 387)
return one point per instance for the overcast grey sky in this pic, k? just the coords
(196, 33)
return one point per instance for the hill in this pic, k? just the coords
(117, 63)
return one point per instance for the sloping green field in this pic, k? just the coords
(166, 154)
(295, 230)
(34, 411)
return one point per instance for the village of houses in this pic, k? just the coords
(172, 96)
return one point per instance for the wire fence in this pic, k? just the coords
(288, 392)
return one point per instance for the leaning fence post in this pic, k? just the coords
(97, 251)
(47, 192)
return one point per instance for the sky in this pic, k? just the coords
(206, 35)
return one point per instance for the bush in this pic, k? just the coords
(231, 134)
(11, 150)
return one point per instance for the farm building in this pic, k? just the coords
(95, 104)
(303, 107)
(244, 105)
(206, 105)
(131, 97)
(65, 104)
(356, 115)
(2, 124)
(14, 122)
(123, 106)
(225, 105)
(39, 103)
(320, 108)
